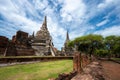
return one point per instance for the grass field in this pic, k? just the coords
(36, 71)
(117, 59)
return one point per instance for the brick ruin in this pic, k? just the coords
(42, 41)
(18, 46)
(24, 45)
(66, 50)
(80, 61)
(3, 45)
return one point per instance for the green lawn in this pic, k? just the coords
(117, 59)
(36, 71)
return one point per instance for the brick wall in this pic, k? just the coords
(3, 44)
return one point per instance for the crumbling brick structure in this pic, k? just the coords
(22, 45)
(77, 62)
(85, 60)
(19, 46)
(10, 50)
(3, 44)
(21, 38)
(80, 61)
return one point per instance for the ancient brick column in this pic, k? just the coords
(77, 62)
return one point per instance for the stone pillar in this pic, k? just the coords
(77, 62)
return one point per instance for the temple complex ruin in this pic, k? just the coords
(24, 45)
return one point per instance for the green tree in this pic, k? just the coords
(87, 43)
(96, 44)
(113, 44)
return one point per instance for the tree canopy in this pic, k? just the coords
(97, 45)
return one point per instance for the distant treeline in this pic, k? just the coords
(97, 45)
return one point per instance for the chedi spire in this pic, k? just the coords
(43, 32)
(67, 37)
(44, 25)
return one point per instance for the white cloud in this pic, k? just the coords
(114, 30)
(19, 20)
(75, 34)
(107, 3)
(72, 9)
(40, 5)
(7, 29)
(102, 22)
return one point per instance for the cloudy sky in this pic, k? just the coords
(79, 17)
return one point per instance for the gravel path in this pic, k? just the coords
(111, 69)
